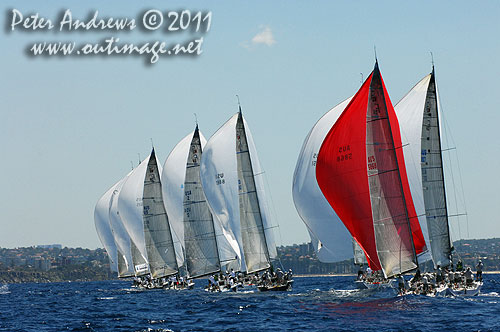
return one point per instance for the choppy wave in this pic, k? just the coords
(314, 304)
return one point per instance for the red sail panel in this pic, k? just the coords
(418, 237)
(341, 172)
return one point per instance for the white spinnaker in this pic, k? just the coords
(103, 228)
(409, 111)
(219, 178)
(172, 179)
(122, 239)
(130, 208)
(422, 130)
(322, 252)
(312, 206)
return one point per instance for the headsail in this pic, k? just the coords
(362, 174)
(322, 222)
(419, 117)
(187, 208)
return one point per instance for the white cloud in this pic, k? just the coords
(264, 37)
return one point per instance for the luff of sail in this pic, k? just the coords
(361, 172)
(252, 227)
(419, 118)
(158, 238)
(330, 237)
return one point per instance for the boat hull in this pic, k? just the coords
(279, 288)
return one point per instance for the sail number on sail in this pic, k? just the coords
(372, 164)
(219, 179)
(344, 153)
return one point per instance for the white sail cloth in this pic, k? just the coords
(335, 242)
(219, 175)
(410, 111)
(103, 227)
(122, 239)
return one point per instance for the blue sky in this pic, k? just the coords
(69, 127)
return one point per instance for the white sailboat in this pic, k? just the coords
(232, 181)
(188, 210)
(142, 211)
(419, 114)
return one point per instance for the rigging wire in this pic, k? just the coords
(450, 139)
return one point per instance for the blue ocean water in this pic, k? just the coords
(314, 304)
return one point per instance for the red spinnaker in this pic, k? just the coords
(342, 172)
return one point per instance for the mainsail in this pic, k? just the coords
(141, 207)
(233, 185)
(253, 237)
(330, 237)
(361, 172)
(186, 205)
(419, 117)
(103, 228)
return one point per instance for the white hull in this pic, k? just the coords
(472, 290)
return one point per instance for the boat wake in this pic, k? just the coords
(4, 289)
